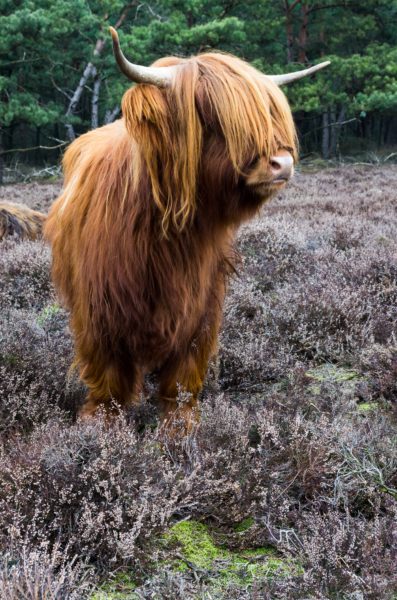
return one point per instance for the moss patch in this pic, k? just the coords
(198, 551)
(120, 588)
(333, 374)
(367, 407)
(244, 525)
(48, 313)
(346, 379)
(189, 546)
(196, 544)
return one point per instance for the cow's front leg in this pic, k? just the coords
(113, 382)
(184, 375)
(180, 385)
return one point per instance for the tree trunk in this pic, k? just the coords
(111, 115)
(289, 32)
(325, 136)
(303, 33)
(388, 131)
(381, 129)
(1, 159)
(95, 101)
(331, 138)
(87, 73)
(289, 27)
(333, 132)
(90, 71)
(341, 118)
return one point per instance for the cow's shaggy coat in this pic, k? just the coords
(20, 221)
(142, 234)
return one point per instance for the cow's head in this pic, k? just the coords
(211, 120)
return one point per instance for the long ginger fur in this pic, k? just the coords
(142, 234)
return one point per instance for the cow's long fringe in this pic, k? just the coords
(251, 111)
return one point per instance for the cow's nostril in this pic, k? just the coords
(275, 166)
(282, 167)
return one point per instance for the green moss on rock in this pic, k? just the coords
(345, 378)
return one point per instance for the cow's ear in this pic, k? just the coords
(143, 106)
(166, 126)
(146, 115)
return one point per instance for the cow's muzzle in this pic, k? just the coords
(281, 167)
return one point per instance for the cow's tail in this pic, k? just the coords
(21, 222)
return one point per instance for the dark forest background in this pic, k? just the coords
(58, 77)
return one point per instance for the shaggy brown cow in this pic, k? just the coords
(20, 221)
(142, 234)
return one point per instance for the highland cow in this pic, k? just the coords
(20, 221)
(142, 234)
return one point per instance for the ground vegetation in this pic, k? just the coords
(288, 489)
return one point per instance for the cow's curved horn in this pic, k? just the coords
(289, 77)
(160, 76)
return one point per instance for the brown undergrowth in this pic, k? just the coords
(298, 427)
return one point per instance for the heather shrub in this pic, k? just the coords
(38, 195)
(171, 585)
(380, 366)
(320, 283)
(98, 491)
(24, 275)
(106, 493)
(35, 574)
(342, 557)
(296, 450)
(35, 343)
(35, 358)
(23, 404)
(349, 557)
(338, 310)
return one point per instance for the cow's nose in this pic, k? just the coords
(282, 166)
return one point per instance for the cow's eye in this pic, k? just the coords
(253, 161)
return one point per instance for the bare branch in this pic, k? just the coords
(49, 171)
(335, 124)
(325, 6)
(33, 148)
(60, 90)
(124, 14)
(21, 60)
(150, 9)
